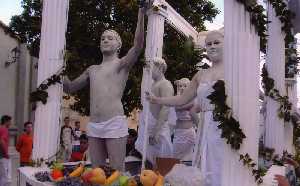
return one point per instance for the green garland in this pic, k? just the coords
(258, 20)
(286, 16)
(285, 108)
(41, 94)
(230, 127)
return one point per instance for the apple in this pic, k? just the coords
(123, 180)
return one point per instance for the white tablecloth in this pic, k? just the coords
(26, 175)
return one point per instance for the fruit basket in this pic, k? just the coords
(81, 175)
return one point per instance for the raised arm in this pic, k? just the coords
(188, 95)
(72, 86)
(129, 60)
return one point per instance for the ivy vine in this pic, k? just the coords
(230, 127)
(286, 16)
(258, 19)
(41, 94)
(285, 106)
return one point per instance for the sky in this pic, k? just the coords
(9, 8)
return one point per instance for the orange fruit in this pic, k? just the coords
(55, 174)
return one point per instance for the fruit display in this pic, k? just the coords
(78, 171)
(57, 175)
(101, 176)
(70, 181)
(150, 178)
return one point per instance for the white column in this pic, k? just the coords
(242, 58)
(275, 63)
(154, 44)
(291, 87)
(47, 117)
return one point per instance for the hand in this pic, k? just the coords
(282, 181)
(151, 98)
(292, 162)
(153, 140)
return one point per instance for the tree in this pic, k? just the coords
(89, 18)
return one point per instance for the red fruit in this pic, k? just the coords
(55, 174)
(87, 176)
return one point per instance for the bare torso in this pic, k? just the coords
(107, 83)
(156, 90)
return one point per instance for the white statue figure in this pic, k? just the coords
(212, 146)
(160, 144)
(184, 135)
(108, 128)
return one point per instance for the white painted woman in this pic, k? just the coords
(184, 134)
(212, 146)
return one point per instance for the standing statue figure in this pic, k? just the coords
(185, 134)
(160, 144)
(108, 128)
(212, 145)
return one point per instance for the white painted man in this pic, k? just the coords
(108, 128)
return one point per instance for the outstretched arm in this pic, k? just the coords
(72, 86)
(129, 60)
(188, 95)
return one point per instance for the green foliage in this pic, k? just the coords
(258, 20)
(286, 17)
(285, 106)
(89, 18)
(230, 127)
(222, 113)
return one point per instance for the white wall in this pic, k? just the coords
(8, 76)
(16, 80)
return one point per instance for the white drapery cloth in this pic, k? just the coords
(242, 57)
(51, 58)
(275, 63)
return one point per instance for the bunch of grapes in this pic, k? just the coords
(42, 176)
(108, 170)
(70, 182)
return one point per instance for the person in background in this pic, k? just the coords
(66, 136)
(77, 134)
(131, 141)
(4, 140)
(24, 145)
(84, 144)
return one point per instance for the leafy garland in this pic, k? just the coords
(258, 19)
(291, 61)
(41, 94)
(286, 16)
(284, 110)
(230, 127)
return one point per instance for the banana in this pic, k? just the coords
(77, 172)
(115, 175)
(160, 181)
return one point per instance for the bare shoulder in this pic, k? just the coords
(166, 88)
(202, 75)
(166, 84)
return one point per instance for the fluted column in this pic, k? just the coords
(275, 63)
(241, 58)
(47, 117)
